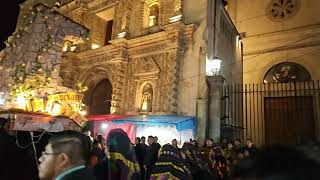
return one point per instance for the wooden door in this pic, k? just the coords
(100, 101)
(289, 120)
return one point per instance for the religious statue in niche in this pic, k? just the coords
(146, 103)
(287, 72)
(154, 15)
(284, 74)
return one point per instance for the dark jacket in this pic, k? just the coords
(80, 174)
(151, 156)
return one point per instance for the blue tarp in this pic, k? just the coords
(180, 122)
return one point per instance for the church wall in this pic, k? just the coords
(253, 18)
(268, 42)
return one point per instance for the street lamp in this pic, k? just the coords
(213, 66)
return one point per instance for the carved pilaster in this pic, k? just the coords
(123, 17)
(118, 88)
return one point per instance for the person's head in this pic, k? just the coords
(87, 132)
(249, 143)
(63, 151)
(155, 139)
(118, 142)
(100, 138)
(195, 143)
(209, 142)
(150, 140)
(96, 144)
(143, 140)
(237, 142)
(230, 145)
(174, 143)
(137, 140)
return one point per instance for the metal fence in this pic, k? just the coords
(263, 111)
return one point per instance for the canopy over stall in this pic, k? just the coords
(103, 124)
(180, 122)
(165, 127)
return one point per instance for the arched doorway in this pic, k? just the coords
(289, 105)
(100, 98)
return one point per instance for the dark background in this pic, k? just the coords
(9, 11)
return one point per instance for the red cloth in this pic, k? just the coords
(104, 127)
(108, 117)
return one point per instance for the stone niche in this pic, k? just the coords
(153, 84)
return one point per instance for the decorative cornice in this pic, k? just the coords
(283, 48)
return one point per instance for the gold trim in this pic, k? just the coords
(170, 164)
(133, 167)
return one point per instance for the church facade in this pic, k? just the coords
(145, 57)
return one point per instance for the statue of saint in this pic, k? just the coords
(146, 105)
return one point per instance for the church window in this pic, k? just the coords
(282, 9)
(287, 72)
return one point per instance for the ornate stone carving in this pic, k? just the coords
(146, 67)
(148, 49)
(282, 9)
(118, 88)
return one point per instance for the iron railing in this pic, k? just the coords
(244, 108)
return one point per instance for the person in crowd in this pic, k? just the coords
(143, 144)
(207, 149)
(170, 165)
(101, 141)
(137, 141)
(224, 143)
(97, 155)
(122, 163)
(250, 147)
(219, 165)
(197, 165)
(65, 157)
(230, 153)
(140, 155)
(88, 133)
(279, 162)
(156, 142)
(174, 143)
(237, 145)
(195, 143)
(151, 156)
(209, 143)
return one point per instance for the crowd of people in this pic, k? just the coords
(71, 155)
(117, 158)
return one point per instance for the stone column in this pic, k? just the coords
(215, 84)
(202, 120)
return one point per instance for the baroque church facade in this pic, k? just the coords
(143, 57)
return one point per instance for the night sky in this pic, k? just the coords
(9, 11)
